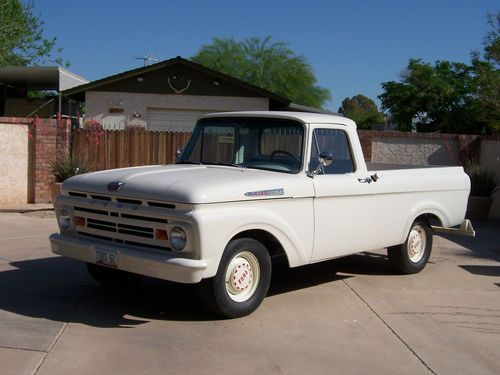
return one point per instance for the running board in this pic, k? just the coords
(465, 229)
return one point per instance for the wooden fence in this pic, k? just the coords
(107, 149)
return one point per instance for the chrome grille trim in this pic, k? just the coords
(133, 201)
(119, 220)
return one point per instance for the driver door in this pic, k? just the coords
(343, 219)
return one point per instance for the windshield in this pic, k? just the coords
(260, 143)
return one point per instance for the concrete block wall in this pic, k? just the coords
(433, 149)
(419, 148)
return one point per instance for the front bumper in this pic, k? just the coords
(161, 266)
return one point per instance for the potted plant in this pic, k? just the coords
(483, 185)
(64, 167)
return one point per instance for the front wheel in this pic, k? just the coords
(412, 256)
(242, 279)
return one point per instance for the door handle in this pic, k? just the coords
(368, 180)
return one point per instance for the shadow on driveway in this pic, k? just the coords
(59, 289)
(486, 243)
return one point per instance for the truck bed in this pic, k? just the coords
(388, 166)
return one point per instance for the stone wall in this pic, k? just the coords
(418, 148)
(415, 151)
(433, 149)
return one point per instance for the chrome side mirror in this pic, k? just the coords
(179, 152)
(325, 159)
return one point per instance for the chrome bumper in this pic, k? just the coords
(162, 266)
(465, 229)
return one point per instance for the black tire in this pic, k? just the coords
(246, 290)
(112, 278)
(410, 257)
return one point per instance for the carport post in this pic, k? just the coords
(59, 103)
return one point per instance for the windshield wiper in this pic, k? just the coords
(224, 164)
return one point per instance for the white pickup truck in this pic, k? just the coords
(248, 186)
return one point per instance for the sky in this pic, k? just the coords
(352, 46)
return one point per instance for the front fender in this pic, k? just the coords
(290, 221)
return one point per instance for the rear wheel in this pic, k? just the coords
(111, 277)
(413, 255)
(242, 279)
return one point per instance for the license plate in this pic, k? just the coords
(106, 257)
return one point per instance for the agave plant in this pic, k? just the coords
(483, 182)
(66, 166)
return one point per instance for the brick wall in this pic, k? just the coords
(50, 138)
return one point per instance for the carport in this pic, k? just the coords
(15, 82)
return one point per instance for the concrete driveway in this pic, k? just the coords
(352, 315)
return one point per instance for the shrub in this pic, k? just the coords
(66, 166)
(483, 182)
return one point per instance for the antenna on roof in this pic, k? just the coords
(147, 59)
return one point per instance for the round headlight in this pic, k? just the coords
(64, 219)
(178, 238)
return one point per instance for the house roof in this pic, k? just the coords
(78, 93)
(40, 77)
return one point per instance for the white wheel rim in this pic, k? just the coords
(242, 276)
(416, 243)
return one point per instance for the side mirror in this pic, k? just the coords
(178, 153)
(325, 159)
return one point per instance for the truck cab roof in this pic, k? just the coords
(304, 117)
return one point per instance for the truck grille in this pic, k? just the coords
(119, 220)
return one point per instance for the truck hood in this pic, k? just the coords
(192, 183)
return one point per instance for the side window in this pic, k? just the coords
(335, 142)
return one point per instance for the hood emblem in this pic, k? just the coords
(115, 185)
(265, 193)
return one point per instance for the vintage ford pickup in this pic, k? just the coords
(248, 186)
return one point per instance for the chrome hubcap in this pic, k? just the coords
(242, 276)
(416, 243)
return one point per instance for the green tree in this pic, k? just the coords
(270, 65)
(21, 36)
(491, 42)
(486, 73)
(434, 95)
(448, 96)
(362, 110)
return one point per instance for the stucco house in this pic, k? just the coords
(171, 95)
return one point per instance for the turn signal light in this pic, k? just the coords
(79, 221)
(161, 234)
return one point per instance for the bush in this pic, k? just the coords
(66, 166)
(483, 182)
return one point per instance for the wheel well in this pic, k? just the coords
(431, 219)
(271, 243)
